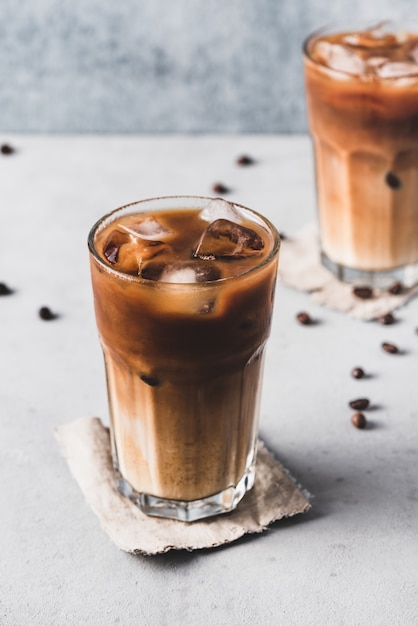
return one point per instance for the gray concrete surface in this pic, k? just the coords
(158, 66)
(351, 561)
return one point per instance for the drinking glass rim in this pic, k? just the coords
(107, 218)
(338, 27)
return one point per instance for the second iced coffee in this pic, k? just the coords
(362, 98)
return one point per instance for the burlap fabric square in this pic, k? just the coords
(300, 267)
(85, 444)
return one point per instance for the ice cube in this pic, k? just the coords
(219, 208)
(206, 272)
(413, 53)
(112, 245)
(395, 69)
(149, 228)
(322, 51)
(191, 272)
(378, 31)
(340, 58)
(152, 271)
(374, 62)
(178, 275)
(225, 239)
(382, 35)
(128, 253)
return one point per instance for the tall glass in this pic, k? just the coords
(183, 359)
(362, 101)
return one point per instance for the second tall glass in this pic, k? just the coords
(362, 99)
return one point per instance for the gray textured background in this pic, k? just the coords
(161, 65)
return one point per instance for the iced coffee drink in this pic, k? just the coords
(183, 290)
(362, 97)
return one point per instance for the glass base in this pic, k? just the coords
(222, 502)
(407, 275)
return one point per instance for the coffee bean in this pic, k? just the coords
(304, 318)
(46, 314)
(5, 290)
(6, 149)
(244, 159)
(220, 188)
(282, 236)
(390, 348)
(393, 181)
(396, 288)
(360, 404)
(152, 381)
(359, 420)
(363, 292)
(386, 319)
(357, 372)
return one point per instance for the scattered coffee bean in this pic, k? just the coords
(282, 236)
(393, 181)
(358, 372)
(363, 292)
(5, 290)
(304, 318)
(360, 404)
(386, 319)
(359, 420)
(390, 347)
(6, 149)
(152, 381)
(220, 188)
(396, 288)
(46, 314)
(244, 159)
